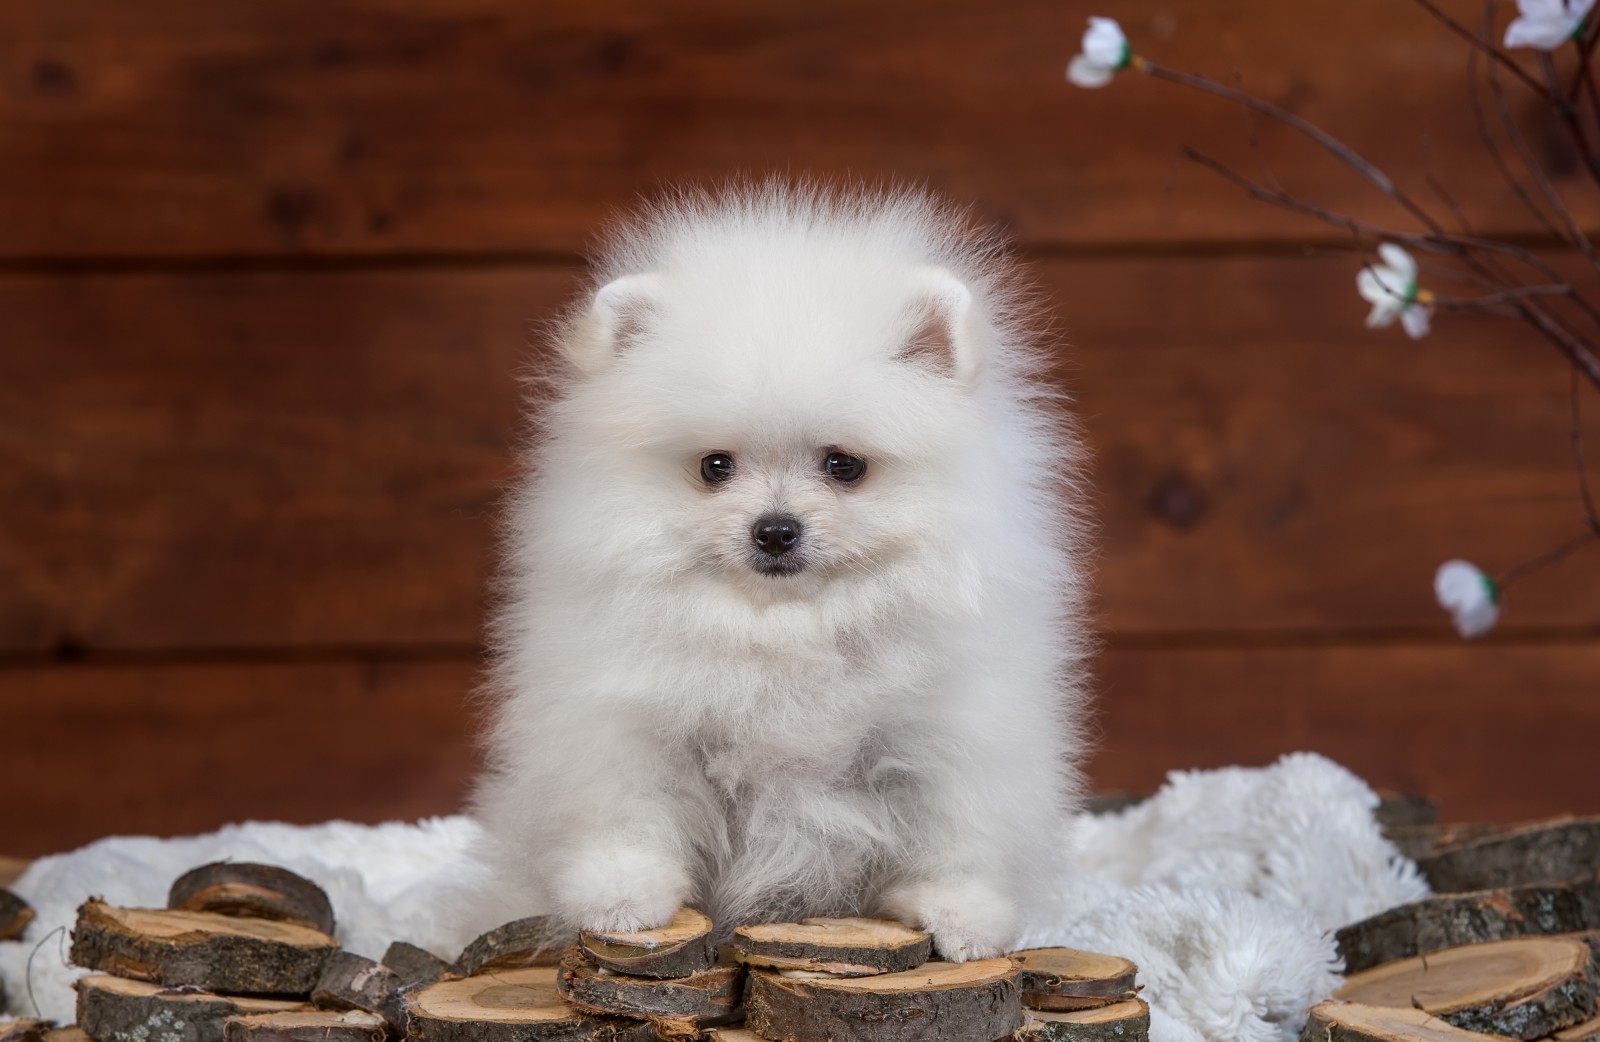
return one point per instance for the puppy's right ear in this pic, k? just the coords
(616, 318)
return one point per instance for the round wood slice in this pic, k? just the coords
(1419, 841)
(1125, 1021)
(414, 965)
(15, 915)
(677, 1006)
(1451, 920)
(678, 949)
(1588, 1031)
(1067, 979)
(517, 1005)
(1405, 810)
(1358, 1022)
(24, 1029)
(521, 942)
(254, 891)
(937, 1001)
(1547, 852)
(67, 1034)
(201, 949)
(315, 1026)
(353, 982)
(1524, 988)
(114, 1009)
(838, 947)
(726, 1034)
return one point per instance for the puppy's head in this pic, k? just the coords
(783, 411)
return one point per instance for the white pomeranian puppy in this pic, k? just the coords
(792, 621)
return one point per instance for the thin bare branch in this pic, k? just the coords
(1344, 153)
(1480, 120)
(1431, 177)
(1573, 233)
(1555, 329)
(1504, 296)
(1555, 555)
(1489, 49)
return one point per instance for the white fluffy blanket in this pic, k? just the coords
(1224, 888)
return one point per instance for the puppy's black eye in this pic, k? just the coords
(844, 468)
(716, 468)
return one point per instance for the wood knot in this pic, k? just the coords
(54, 77)
(1177, 500)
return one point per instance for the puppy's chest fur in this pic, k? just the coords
(803, 773)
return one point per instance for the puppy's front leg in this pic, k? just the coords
(624, 862)
(583, 807)
(984, 819)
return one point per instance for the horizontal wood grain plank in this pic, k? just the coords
(168, 128)
(172, 750)
(281, 460)
(1493, 732)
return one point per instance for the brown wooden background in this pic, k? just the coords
(267, 272)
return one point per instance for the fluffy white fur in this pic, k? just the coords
(891, 729)
(1226, 888)
(1223, 888)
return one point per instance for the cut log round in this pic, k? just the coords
(114, 1009)
(15, 915)
(1068, 979)
(1524, 988)
(354, 982)
(678, 949)
(314, 1026)
(1588, 1031)
(414, 965)
(1451, 920)
(1358, 1022)
(1406, 810)
(1125, 1021)
(518, 1005)
(201, 949)
(1419, 841)
(837, 947)
(678, 1006)
(519, 943)
(254, 891)
(939, 1000)
(68, 1034)
(1548, 852)
(25, 1029)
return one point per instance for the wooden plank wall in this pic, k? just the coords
(268, 271)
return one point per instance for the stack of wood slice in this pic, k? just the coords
(669, 977)
(1507, 946)
(1076, 996)
(855, 980)
(515, 984)
(15, 915)
(235, 957)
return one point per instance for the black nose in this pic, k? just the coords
(776, 534)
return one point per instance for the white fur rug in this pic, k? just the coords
(1224, 888)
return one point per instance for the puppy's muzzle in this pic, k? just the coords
(776, 537)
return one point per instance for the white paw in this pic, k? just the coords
(620, 888)
(968, 920)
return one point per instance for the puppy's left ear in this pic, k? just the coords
(616, 318)
(947, 334)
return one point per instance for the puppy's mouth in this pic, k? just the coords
(777, 566)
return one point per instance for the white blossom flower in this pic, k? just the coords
(1547, 24)
(1470, 596)
(1391, 289)
(1105, 53)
